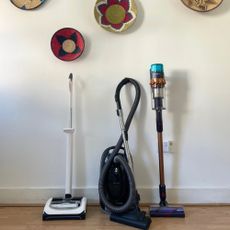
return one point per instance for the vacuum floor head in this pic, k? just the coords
(167, 211)
(65, 209)
(60, 203)
(134, 218)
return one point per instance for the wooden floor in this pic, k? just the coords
(198, 218)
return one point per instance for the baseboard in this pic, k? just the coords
(188, 195)
(148, 195)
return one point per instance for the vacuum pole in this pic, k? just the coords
(157, 83)
(162, 186)
(69, 151)
(161, 158)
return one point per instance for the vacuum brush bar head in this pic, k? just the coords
(134, 218)
(65, 209)
(167, 211)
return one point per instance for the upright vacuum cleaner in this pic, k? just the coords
(157, 83)
(68, 207)
(117, 191)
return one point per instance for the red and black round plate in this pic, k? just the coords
(67, 44)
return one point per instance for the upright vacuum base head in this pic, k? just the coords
(166, 211)
(134, 218)
(65, 209)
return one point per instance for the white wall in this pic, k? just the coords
(194, 48)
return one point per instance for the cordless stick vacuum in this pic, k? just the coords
(117, 190)
(157, 83)
(68, 207)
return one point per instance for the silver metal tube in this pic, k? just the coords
(126, 144)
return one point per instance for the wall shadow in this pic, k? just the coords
(144, 152)
(223, 8)
(139, 19)
(87, 48)
(177, 98)
(79, 172)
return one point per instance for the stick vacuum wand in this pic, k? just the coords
(71, 99)
(69, 207)
(69, 151)
(157, 83)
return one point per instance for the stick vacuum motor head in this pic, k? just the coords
(157, 68)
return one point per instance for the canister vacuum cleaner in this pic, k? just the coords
(117, 190)
(157, 83)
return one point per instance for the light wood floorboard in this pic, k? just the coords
(197, 218)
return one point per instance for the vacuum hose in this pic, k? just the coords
(112, 155)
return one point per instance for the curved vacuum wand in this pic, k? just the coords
(157, 83)
(124, 129)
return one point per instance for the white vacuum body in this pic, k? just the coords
(58, 208)
(68, 207)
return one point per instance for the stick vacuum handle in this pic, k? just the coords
(159, 121)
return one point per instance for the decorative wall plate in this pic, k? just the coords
(202, 5)
(67, 44)
(27, 4)
(115, 15)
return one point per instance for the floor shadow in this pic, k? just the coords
(177, 97)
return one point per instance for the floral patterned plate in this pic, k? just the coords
(67, 44)
(27, 4)
(202, 5)
(115, 15)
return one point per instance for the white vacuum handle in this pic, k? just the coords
(69, 159)
(69, 150)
